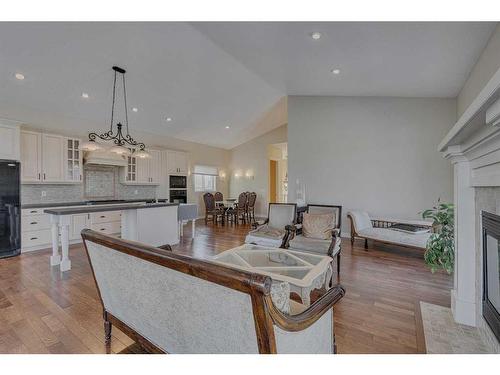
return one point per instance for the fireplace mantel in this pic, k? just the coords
(473, 146)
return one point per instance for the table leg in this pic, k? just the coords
(55, 259)
(192, 227)
(64, 228)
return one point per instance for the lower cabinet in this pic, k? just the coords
(36, 230)
(78, 223)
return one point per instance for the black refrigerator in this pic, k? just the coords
(10, 209)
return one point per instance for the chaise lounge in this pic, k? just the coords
(379, 230)
(173, 303)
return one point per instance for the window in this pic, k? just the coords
(205, 178)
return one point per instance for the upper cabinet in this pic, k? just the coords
(143, 171)
(177, 162)
(9, 141)
(50, 158)
(73, 169)
(31, 157)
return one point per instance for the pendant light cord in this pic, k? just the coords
(113, 105)
(125, 98)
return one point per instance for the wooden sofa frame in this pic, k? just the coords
(257, 286)
(381, 223)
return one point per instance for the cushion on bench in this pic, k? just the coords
(397, 237)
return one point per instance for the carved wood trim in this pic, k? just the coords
(299, 322)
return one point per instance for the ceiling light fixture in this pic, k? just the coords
(168, 119)
(227, 126)
(85, 95)
(336, 71)
(19, 76)
(316, 35)
(123, 142)
(134, 109)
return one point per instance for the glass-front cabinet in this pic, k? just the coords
(131, 175)
(73, 163)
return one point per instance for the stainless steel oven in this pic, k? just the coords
(178, 182)
(178, 196)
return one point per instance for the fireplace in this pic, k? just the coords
(491, 271)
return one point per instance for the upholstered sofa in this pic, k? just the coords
(376, 229)
(173, 303)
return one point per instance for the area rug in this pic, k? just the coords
(444, 336)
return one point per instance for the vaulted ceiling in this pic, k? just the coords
(209, 76)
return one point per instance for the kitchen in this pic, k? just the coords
(55, 173)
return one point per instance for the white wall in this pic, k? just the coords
(487, 65)
(253, 158)
(372, 153)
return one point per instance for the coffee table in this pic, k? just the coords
(303, 271)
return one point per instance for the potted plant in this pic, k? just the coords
(440, 252)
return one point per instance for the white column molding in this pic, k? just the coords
(64, 223)
(463, 295)
(55, 259)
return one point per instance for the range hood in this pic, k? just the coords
(103, 157)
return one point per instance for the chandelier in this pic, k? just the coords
(123, 143)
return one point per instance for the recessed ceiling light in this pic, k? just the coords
(227, 126)
(134, 109)
(169, 119)
(316, 35)
(85, 95)
(19, 76)
(336, 71)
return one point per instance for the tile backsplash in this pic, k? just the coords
(100, 182)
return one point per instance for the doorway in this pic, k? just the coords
(278, 173)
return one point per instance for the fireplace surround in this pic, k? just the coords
(473, 147)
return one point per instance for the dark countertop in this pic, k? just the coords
(106, 207)
(86, 203)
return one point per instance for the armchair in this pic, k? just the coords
(276, 228)
(331, 245)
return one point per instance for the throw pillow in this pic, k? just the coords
(318, 226)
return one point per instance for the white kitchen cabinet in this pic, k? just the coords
(78, 223)
(177, 162)
(31, 157)
(155, 166)
(145, 171)
(52, 158)
(73, 169)
(130, 173)
(9, 141)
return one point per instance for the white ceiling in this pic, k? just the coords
(209, 75)
(376, 59)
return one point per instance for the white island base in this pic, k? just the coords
(155, 226)
(152, 224)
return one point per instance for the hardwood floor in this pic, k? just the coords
(42, 312)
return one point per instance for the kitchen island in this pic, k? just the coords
(152, 223)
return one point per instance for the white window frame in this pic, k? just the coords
(205, 178)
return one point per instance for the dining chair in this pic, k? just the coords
(252, 197)
(211, 209)
(241, 208)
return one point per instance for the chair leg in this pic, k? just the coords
(107, 329)
(338, 266)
